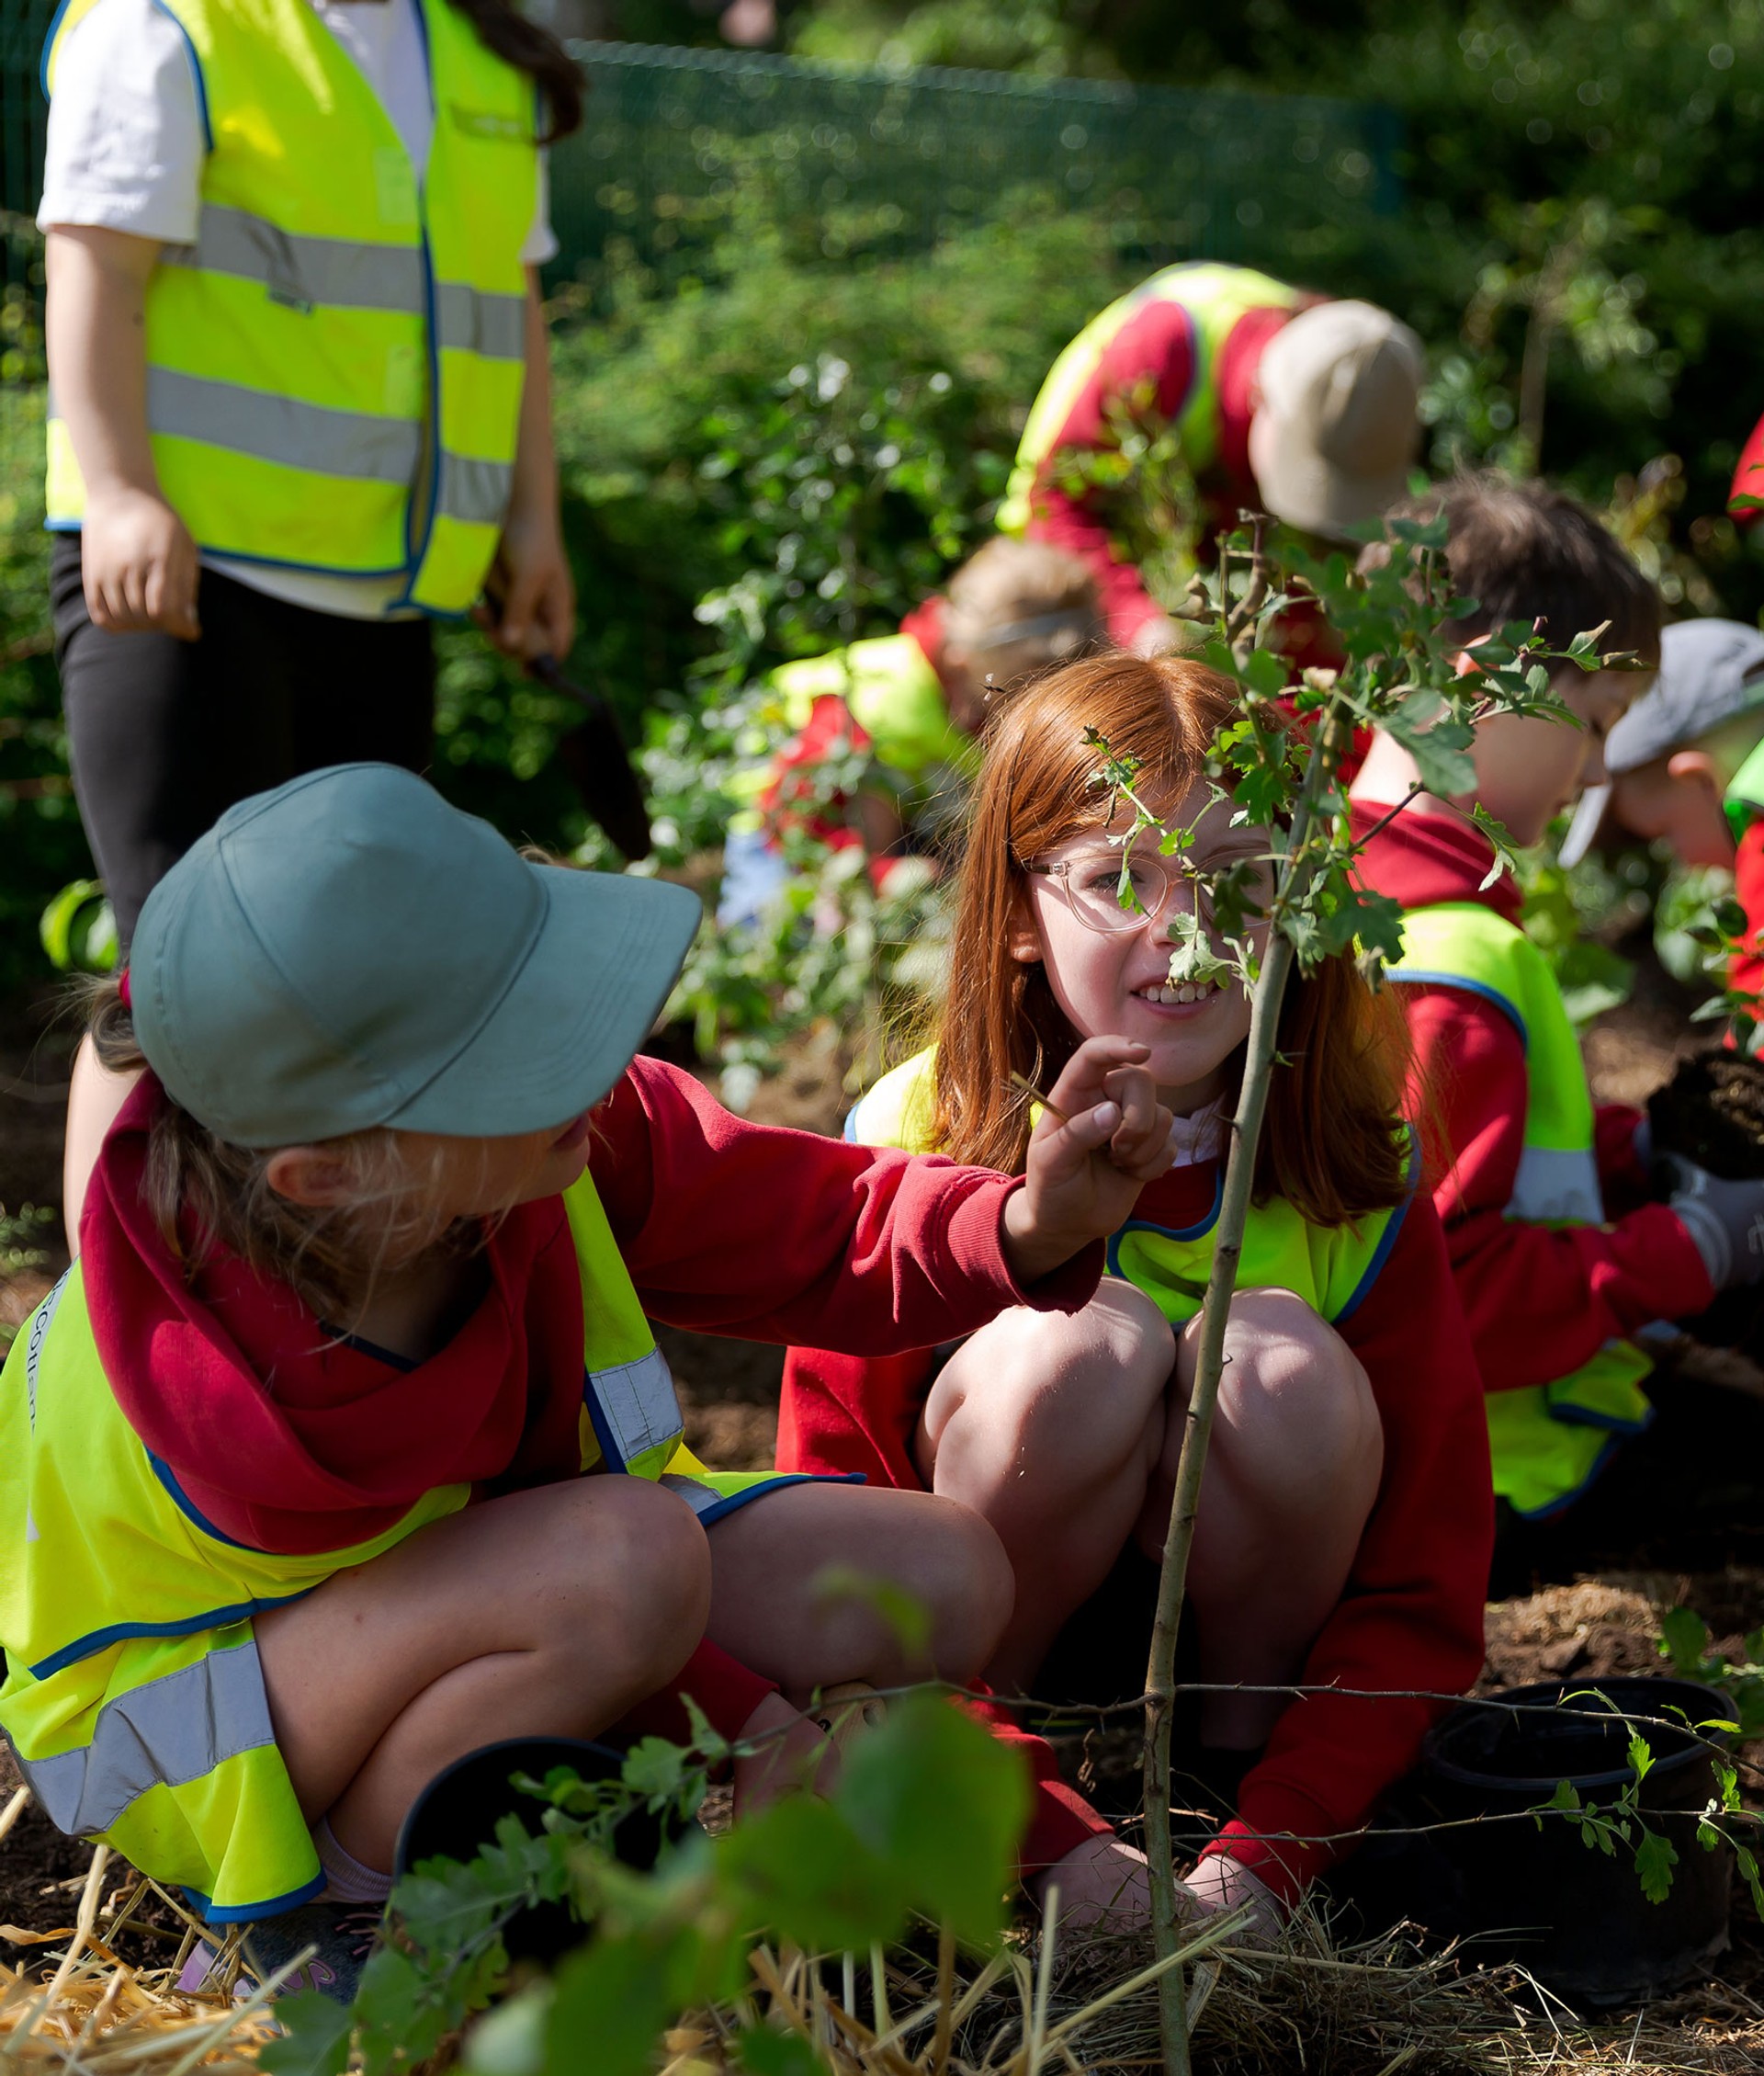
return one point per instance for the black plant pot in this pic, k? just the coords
(457, 1814)
(1576, 1917)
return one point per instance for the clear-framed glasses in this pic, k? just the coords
(1102, 901)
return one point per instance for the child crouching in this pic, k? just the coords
(290, 1459)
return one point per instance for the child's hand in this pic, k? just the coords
(792, 1753)
(140, 566)
(1084, 1175)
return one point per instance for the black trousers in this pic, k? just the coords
(165, 735)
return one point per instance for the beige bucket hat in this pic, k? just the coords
(1335, 434)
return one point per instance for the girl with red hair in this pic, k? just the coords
(1346, 1523)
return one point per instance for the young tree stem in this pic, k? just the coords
(1296, 870)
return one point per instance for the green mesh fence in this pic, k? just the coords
(683, 150)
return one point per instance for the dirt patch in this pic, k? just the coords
(1712, 1111)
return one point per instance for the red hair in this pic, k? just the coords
(1332, 1143)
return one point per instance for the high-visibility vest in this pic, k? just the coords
(1331, 1268)
(334, 367)
(1548, 1442)
(133, 1696)
(1216, 297)
(894, 695)
(1744, 799)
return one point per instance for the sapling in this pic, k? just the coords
(1279, 766)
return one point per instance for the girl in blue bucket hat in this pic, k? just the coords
(345, 1446)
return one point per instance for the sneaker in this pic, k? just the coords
(343, 1934)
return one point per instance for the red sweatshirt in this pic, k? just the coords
(1541, 1301)
(1746, 969)
(1412, 1616)
(290, 1439)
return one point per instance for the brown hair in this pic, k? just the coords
(193, 1179)
(504, 31)
(1008, 581)
(1526, 551)
(1332, 1144)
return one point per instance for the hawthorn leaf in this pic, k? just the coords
(314, 2037)
(1655, 1857)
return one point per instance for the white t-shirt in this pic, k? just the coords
(125, 152)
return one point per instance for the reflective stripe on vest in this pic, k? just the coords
(1215, 298)
(1331, 1267)
(1548, 1443)
(172, 1731)
(630, 1416)
(335, 364)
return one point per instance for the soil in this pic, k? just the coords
(1679, 1518)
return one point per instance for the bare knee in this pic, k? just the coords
(1055, 1401)
(1294, 1398)
(975, 1595)
(631, 1590)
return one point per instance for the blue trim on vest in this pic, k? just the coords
(187, 1507)
(405, 1364)
(246, 1913)
(1382, 1253)
(609, 1456)
(416, 553)
(1416, 976)
(1112, 1251)
(1623, 1430)
(48, 44)
(1558, 1506)
(126, 1632)
(730, 1502)
(196, 69)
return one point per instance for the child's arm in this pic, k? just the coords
(733, 1228)
(531, 610)
(139, 560)
(1540, 1301)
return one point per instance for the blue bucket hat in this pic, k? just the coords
(349, 950)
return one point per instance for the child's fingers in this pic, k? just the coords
(1083, 1082)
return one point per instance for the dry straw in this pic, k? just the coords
(1047, 2007)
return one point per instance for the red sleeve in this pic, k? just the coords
(796, 793)
(1540, 1301)
(1622, 1180)
(1411, 1615)
(1746, 969)
(773, 1235)
(1157, 346)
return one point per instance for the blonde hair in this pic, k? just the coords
(1009, 582)
(322, 1252)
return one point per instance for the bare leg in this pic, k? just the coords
(770, 1608)
(547, 1613)
(1296, 1455)
(93, 1097)
(1051, 1427)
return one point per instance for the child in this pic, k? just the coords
(1685, 767)
(289, 1460)
(1345, 1525)
(1528, 1175)
(908, 706)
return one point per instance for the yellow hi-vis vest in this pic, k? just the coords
(133, 1696)
(894, 695)
(1744, 799)
(1216, 297)
(334, 367)
(1548, 1442)
(1331, 1268)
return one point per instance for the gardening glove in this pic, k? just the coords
(1724, 1218)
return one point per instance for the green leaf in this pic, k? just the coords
(314, 2039)
(1655, 1857)
(811, 1878)
(1684, 1639)
(942, 1804)
(1641, 1755)
(510, 2040)
(1264, 673)
(614, 2001)
(778, 2054)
